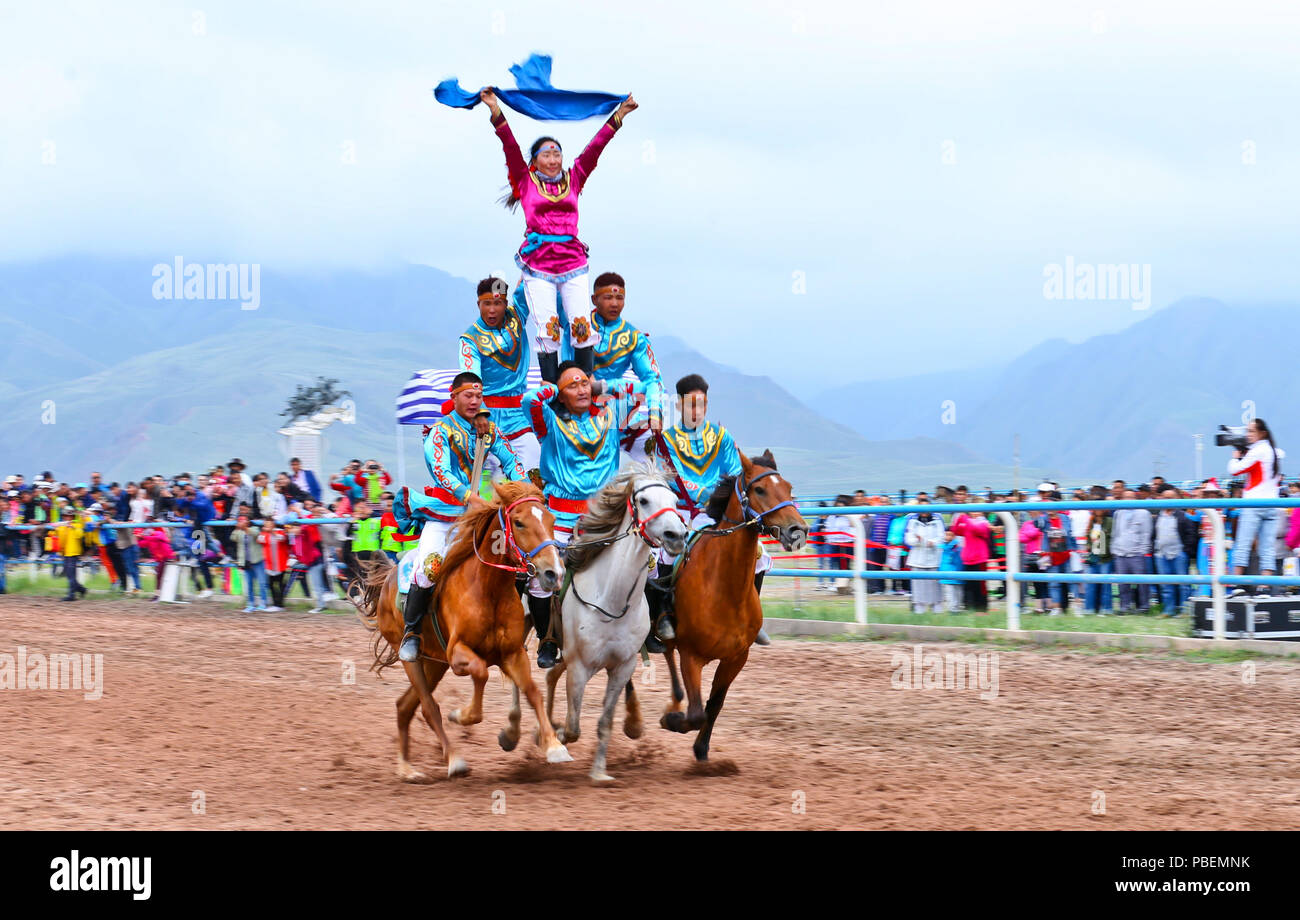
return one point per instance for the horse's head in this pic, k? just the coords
(532, 528)
(653, 505)
(767, 495)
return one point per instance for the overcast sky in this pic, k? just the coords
(919, 164)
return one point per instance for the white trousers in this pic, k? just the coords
(526, 448)
(434, 538)
(761, 564)
(575, 298)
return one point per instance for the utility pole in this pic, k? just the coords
(1015, 478)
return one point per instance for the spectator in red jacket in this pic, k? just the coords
(275, 549)
(304, 539)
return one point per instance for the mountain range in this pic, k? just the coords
(98, 373)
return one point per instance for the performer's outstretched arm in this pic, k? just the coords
(516, 166)
(586, 161)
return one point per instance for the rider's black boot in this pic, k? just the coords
(417, 603)
(762, 637)
(547, 650)
(654, 600)
(548, 362)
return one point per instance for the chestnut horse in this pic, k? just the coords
(480, 620)
(716, 603)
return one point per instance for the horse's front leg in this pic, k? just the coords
(515, 664)
(619, 677)
(674, 720)
(456, 765)
(722, 678)
(474, 714)
(574, 688)
(632, 724)
(553, 678)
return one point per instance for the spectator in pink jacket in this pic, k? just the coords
(975, 532)
(158, 545)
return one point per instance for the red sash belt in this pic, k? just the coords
(442, 495)
(567, 505)
(503, 402)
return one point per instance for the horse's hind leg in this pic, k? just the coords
(618, 680)
(407, 704)
(515, 664)
(415, 672)
(632, 724)
(677, 694)
(508, 737)
(722, 678)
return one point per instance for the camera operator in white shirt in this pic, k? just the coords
(1260, 464)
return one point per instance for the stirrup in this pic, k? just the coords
(664, 628)
(410, 648)
(548, 654)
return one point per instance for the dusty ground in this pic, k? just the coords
(253, 712)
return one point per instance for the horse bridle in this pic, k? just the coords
(526, 566)
(748, 514)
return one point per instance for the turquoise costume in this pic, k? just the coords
(500, 357)
(579, 453)
(701, 457)
(449, 455)
(621, 347)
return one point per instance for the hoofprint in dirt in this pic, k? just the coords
(211, 718)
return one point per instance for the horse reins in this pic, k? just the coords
(638, 527)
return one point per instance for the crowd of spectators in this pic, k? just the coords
(1131, 541)
(229, 519)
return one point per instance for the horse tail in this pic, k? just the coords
(375, 573)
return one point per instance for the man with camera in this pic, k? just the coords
(1257, 457)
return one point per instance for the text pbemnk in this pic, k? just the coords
(102, 873)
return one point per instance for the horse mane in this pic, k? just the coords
(716, 506)
(605, 513)
(473, 526)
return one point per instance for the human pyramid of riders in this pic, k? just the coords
(572, 434)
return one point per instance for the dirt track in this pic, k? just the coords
(252, 710)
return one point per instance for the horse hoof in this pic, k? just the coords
(674, 722)
(558, 755)
(600, 778)
(564, 737)
(454, 715)
(412, 775)
(507, 741)
(456, 768)
(633, 729)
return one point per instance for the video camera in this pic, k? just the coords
(1234, 437)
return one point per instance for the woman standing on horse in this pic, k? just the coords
(552, 258)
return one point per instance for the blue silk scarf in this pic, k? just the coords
(535, 96)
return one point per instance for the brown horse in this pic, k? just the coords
(476, 601)
(717, 606)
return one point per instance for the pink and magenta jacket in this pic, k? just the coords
(551, 209)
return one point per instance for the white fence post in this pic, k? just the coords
(1010, 534)
(859, 567)
(1218, 568)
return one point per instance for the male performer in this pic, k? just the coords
(579, 455)
(622, 346)
(496, 348)
(702, 453)
(449, 454)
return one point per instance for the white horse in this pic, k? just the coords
(604, 614)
